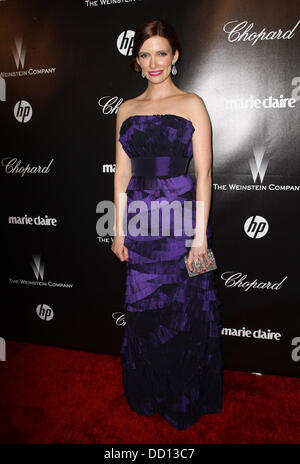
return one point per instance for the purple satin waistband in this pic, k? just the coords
(159, 166)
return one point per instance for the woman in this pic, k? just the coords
(171, 355)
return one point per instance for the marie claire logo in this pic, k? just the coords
(237, 279)
(251, 102)
(241, 31)
(125, 42)
(271, 102)
(19, 54)
(32, 220)
(256, 226)
(14, 166)
(248, 333)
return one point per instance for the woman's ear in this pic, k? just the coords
(138, 64)
(176, 56)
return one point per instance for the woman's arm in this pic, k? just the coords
(202, 152)
(122, 175)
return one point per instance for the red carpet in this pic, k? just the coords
(54, 395)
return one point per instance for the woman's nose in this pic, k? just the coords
(152, 62)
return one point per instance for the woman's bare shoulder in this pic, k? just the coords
(125, 110)
(125, 105)
(193, 98)
(190, 104)
(195, 106)
(129, 107)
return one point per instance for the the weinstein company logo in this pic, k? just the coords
(19, 52)
(38, 267)
(258, 164)
(125, 42)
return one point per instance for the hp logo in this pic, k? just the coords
(256, 226)
(44, 312)
(125, 42)
(23, 111)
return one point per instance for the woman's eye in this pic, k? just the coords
(144, 55)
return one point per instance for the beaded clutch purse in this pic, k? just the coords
(199, 265)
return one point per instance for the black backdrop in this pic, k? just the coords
(64, 70)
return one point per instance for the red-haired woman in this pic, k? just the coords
(171, 352)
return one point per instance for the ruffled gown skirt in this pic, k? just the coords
(171, 350)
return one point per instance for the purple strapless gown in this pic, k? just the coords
(171, 351)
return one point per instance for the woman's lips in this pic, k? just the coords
(155, 73)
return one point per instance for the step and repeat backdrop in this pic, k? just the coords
(64, 71)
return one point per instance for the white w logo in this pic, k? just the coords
(258, 165)
(37, 267)
(19, 52)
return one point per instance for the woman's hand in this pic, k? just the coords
(198, 252)
(118, 247)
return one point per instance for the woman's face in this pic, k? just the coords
(155, 58)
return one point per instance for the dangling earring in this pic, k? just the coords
(143, 74)
(174, 69)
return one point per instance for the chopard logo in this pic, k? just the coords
(241, 31)
(237, 279)
(14, 166)
(119, 318)
(109, 105)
